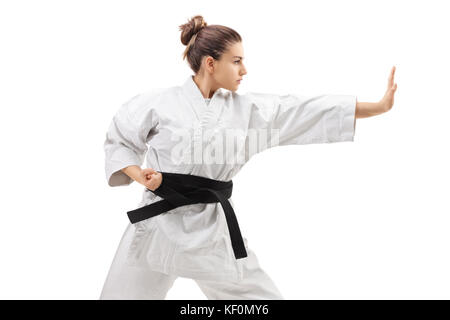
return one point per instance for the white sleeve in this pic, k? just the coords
(295, 119)
(126, 139)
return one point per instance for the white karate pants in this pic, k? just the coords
(136, 282)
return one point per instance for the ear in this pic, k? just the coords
(210, 64)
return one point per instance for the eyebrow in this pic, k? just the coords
(238, 57)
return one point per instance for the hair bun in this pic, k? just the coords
(191, 28)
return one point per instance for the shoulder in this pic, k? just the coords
(258, 100)
(151, 96)
(145, 101)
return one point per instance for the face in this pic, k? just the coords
(230, 68)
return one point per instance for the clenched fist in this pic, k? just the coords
(150, 178)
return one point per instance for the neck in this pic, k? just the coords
(205, 85)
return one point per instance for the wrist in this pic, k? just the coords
(139, 178)
(134, 172)
(381, 106)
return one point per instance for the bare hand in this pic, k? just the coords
(388, 100)
(150, 178)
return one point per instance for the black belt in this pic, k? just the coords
(179, 189)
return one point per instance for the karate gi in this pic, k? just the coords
(193, 241)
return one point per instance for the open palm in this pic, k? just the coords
(388, 100)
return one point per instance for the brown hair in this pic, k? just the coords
(202, 40)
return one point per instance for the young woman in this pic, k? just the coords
(197, 136)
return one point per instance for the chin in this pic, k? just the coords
(230, 88)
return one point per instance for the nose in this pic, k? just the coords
(243, 70)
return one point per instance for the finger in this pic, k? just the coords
(391, 75)
(391, 78)
(154, 185)
(149, 170)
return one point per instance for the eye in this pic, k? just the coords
(238, 61)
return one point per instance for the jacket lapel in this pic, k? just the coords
(206, 114)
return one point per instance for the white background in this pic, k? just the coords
(367, 219)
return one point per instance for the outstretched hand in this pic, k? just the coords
(151, 179)
(388, 100)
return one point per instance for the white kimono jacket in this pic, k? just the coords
(193, 241)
